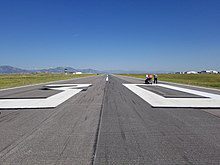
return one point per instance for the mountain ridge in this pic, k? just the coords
(6, 69)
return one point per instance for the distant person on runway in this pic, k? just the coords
(147, 76)
(148, 79)
(155, 79)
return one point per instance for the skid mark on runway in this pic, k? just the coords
(13, 146)
(42, 137)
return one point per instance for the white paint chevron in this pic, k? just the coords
(68, 91)
(155, 100)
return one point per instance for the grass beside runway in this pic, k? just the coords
(204, 80)
(15, 80)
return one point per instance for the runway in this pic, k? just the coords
(109, 124)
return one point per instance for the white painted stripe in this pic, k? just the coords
(69, 90)
(191, 91)
(213, 100)
(194, 86)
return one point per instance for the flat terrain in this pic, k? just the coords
(14, 80)
(204, 80)
(108, 124)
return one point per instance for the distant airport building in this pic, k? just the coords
(201, 72)
(65, 71)
(77, 72)
(209, 72)
(191, 72)
(179, 72)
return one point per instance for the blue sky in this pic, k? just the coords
(167, 35)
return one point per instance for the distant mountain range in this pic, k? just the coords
(9, 69)
(4, 69)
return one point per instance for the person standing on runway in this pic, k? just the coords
(155, 79)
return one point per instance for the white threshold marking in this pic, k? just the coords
(155, 100)
(68, 90)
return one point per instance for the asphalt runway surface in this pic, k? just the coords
(108, 124)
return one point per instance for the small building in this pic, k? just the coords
(191, 72)
(77, 72)
(209, 72)
(179, 72)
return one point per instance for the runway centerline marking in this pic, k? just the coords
(210, 101)
(68, 91)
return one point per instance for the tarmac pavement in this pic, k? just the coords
(108, 124)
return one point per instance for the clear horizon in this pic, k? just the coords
(115, 70)
(140, 35)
